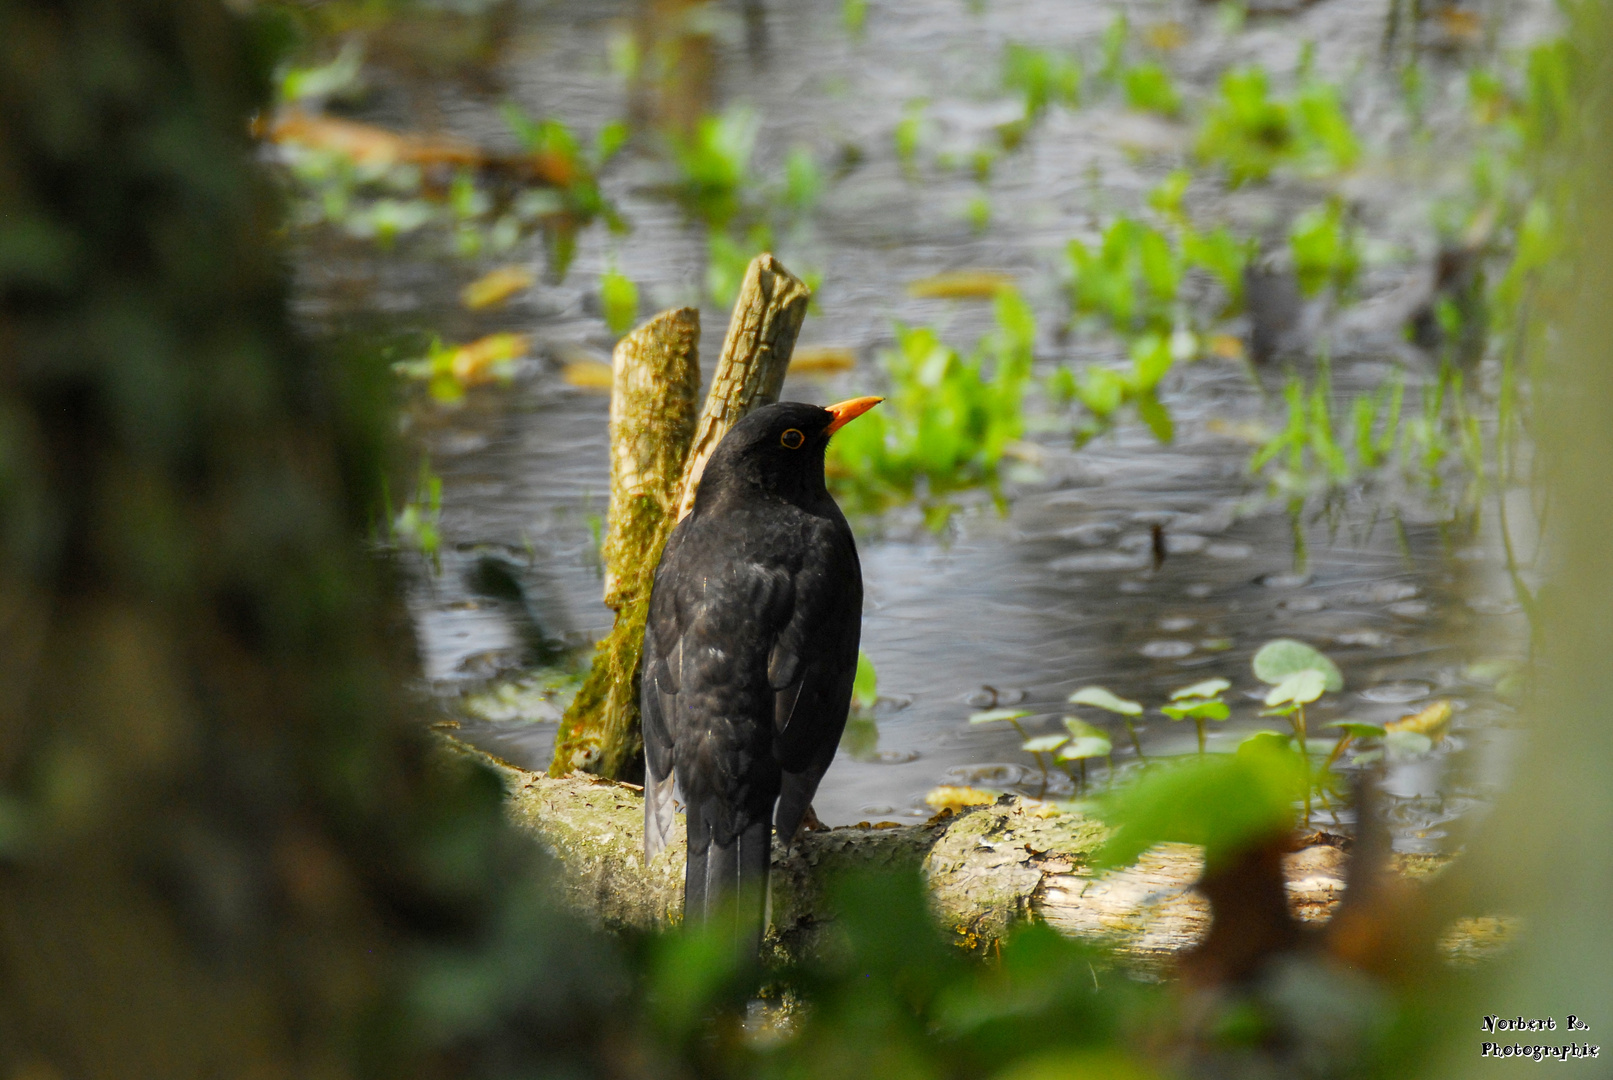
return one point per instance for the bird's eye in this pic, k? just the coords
(792, 439)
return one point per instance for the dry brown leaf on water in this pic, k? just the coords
(1244, 431)
(587, 374)
(960, 285)
(367, 144)
(1226, 346)
(1461, 24)
(481, 360)
(495, 287)
(955, 797)
(822, 360)
(1430, 721)
(1165, 36)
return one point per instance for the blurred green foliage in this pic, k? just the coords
(947, 419)
(1250, 133)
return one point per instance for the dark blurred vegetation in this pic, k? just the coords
(227, 847)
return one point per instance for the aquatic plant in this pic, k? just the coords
(1249, 133)
(1198, 703)
(418, 523)
(947, 419)
(1323, 245)
(1041, 77)
(713, 165)
(1098, 698)
(1298, 675)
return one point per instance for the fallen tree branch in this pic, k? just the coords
(987, 869)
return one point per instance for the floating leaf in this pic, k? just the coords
(1301, 688)
(1209, 688)
(822, 360)
(951, 797)
(1099, 698)
(587, 374)
(993, 715)
(1431, 721)
(495, 287)
(1407, 743)
(960, 285)
(1281, 658)
(1043, 744)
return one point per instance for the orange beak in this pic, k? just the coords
(847, 411)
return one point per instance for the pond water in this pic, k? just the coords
(1003, 609)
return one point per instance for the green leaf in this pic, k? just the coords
(1222, 801)
(1357, 730)
(1044, 743)
(865, 687)
(1099, 698)
(618, 296)
(993, 715)
(1197, 710)
(1302, 687)
(1281, 658)
(1209, 688)
(1087, 746)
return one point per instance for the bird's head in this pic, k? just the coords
(779, 447)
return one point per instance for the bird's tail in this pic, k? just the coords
(727, 883)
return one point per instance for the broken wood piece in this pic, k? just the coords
(755, 356)
(654, 390)
(653, 407)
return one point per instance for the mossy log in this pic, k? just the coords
(654, 471)
(988, 869)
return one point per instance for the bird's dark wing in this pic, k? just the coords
(811, 669)
(658, 700)
(658, 705)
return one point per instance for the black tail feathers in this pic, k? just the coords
(728, 882)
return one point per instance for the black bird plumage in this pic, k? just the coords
(749, 656)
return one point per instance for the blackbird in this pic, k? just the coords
(749, 655)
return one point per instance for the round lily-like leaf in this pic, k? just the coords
(1099, 698)
(1044, 743)
(1087, 746)
(1279, 659)
(1197, 710)
(1209, 688)
(1301, 688)
(1263, 739)
(993, 715)
(1357, 730)
(1404, 744)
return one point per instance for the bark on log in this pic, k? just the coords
(600, 732)
(755, 355)
(655, 387)
(988, 870)
(653, 408)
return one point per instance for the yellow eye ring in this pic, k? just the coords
(792, 439)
